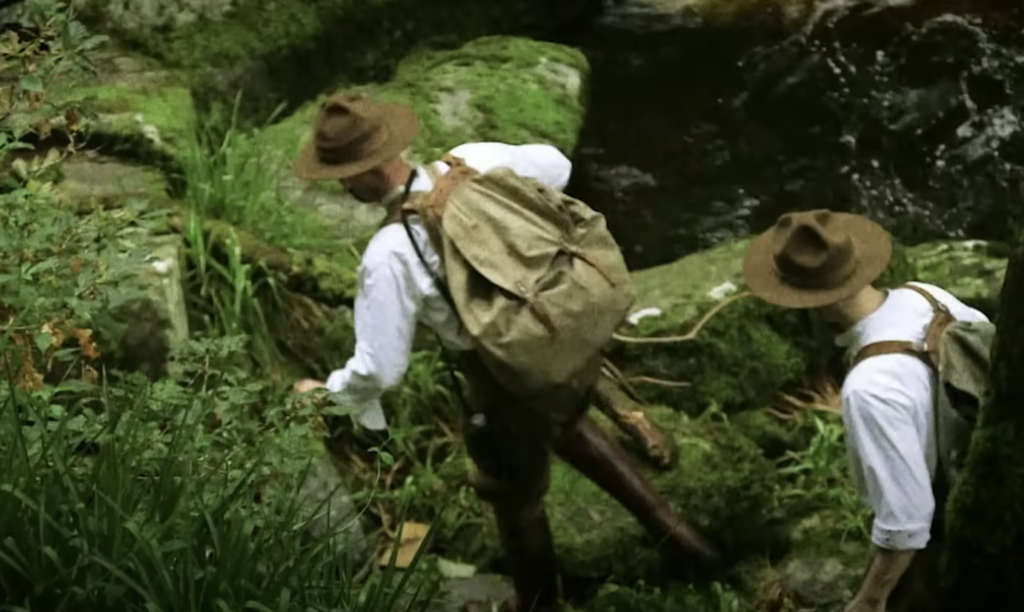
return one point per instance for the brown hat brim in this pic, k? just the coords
(399, 127)
(872, 248)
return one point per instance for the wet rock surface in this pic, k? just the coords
(696, 135)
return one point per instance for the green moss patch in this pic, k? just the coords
(131, 107)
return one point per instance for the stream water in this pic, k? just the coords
(697, 134)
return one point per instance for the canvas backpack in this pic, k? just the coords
(536, 278)
(958, 351)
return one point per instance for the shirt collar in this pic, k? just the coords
(851, 338)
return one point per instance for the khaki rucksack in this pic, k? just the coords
(958, 351)
(535, 276)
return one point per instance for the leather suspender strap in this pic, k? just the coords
(929, 353)
(936, 305)
(890, 347)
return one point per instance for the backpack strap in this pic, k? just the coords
(929, 352)
(891, 347)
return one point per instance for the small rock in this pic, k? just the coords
(107, 178)
(479, 589)
(819, 581)
(325, 496)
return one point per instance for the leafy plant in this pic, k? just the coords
(40, 60)
(122, 493)
(818, 479)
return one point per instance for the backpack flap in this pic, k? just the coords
(517, 258)
(492, 210)
(964, 358)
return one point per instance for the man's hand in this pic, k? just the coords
(306, 385)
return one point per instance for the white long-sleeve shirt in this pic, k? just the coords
(889, 415)
(395, 290)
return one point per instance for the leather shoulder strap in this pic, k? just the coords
(890, 347)
(453, 160)
(936, 304)
(929, 353)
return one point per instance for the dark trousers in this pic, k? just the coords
(510, 436)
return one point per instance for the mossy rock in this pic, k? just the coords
(110, 181)
(134, 104)
(745, 354)
(774, 436)
(129, 107)
(498, 88)
(822, 570)
(972, 270)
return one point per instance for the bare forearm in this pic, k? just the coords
(884, 572)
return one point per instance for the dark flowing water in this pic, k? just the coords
(697, 134)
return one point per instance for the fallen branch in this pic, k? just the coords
(613, 372)
(659, 381)
(628, 415)
(690, 335)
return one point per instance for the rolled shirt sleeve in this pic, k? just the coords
(886, 448)
(385, 312)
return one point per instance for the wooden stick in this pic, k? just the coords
(659, 381)
(690, 335)
(657, 448)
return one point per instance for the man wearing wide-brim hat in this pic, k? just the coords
(359, 143)
(896, 433)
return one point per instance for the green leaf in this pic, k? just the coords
(31, 82)
(44, 340)
(386, 458)
(92, 42)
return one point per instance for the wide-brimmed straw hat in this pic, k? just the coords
(816, 258)
(352, 135)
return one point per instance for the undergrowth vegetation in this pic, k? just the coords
(123, 493)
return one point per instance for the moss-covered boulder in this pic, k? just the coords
(499, 88)
(767, 348)
(822, 570)
(154, 322)
(130, 107)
